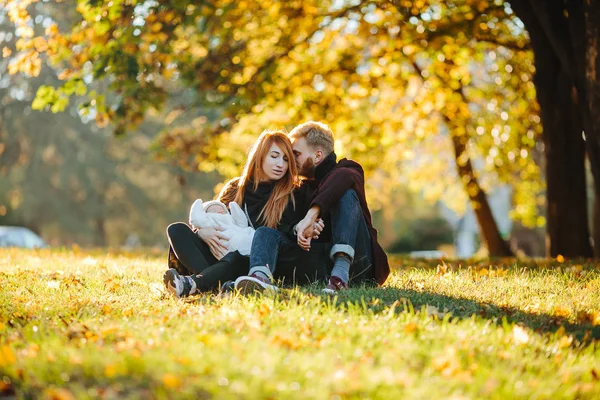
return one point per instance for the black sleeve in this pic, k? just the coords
(296, 211)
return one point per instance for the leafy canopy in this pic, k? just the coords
(396, 80)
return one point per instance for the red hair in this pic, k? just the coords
(253, 174)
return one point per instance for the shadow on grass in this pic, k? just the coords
(378, 299)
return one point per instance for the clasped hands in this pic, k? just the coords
(217, 242)
(309, 228)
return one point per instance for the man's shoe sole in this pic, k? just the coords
(249, 285)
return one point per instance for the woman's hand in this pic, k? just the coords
(216, 241)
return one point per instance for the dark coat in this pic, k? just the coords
(333, 179)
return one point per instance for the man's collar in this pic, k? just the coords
(325, 166)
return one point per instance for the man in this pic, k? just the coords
(339, 199)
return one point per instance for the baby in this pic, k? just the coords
(235, 225)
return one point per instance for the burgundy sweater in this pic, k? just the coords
(333, 179)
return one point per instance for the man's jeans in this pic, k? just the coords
(350, 235)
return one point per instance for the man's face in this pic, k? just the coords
(305, 157)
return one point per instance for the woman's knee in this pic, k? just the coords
(266, 231)
(177, 229)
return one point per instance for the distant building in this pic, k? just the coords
(466, 229)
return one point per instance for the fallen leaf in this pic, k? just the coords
(58, 394)
(171, 381)
(264, 310)
(520, 336)
(560, 311)
(448, 363)
(411, 327)
(157, 289)
(53, 285)
(111, 370)
(590, 317)
(7, 356)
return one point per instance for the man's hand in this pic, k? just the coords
(306, 228)
(319, 225)
(216, 241)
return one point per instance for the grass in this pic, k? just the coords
(76, 324)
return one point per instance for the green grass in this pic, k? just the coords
(77, 324)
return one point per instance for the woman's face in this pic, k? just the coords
(275, 165)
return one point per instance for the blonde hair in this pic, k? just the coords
(253, 173)
(317, 134)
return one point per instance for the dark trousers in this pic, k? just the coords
(191, 256)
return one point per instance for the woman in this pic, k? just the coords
(265, 191)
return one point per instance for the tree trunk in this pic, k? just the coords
(567, 214)
(592, 77)
(497, 247)
(563, 120)
(100, 231)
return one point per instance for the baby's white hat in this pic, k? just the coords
(214, 202)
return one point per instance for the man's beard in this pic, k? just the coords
(307, 169)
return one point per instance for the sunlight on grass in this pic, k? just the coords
(77, 324)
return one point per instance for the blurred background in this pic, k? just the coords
(116, 115)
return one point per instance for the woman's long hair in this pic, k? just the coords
(253, 173)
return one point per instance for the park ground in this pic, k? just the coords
(97, 324)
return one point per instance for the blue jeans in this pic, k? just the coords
(286, 261)
(350, 236)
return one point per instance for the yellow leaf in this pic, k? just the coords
(592, 317)
(58, 394)
(156, 27)
(52, 29)
(560, 311)
(31, 351)
(447, 363)
(171, 381)
(6, 52)
(285, 340)
(110, 371)
(7, 357)
(560, 258)
(264, 310)
(411, 327)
